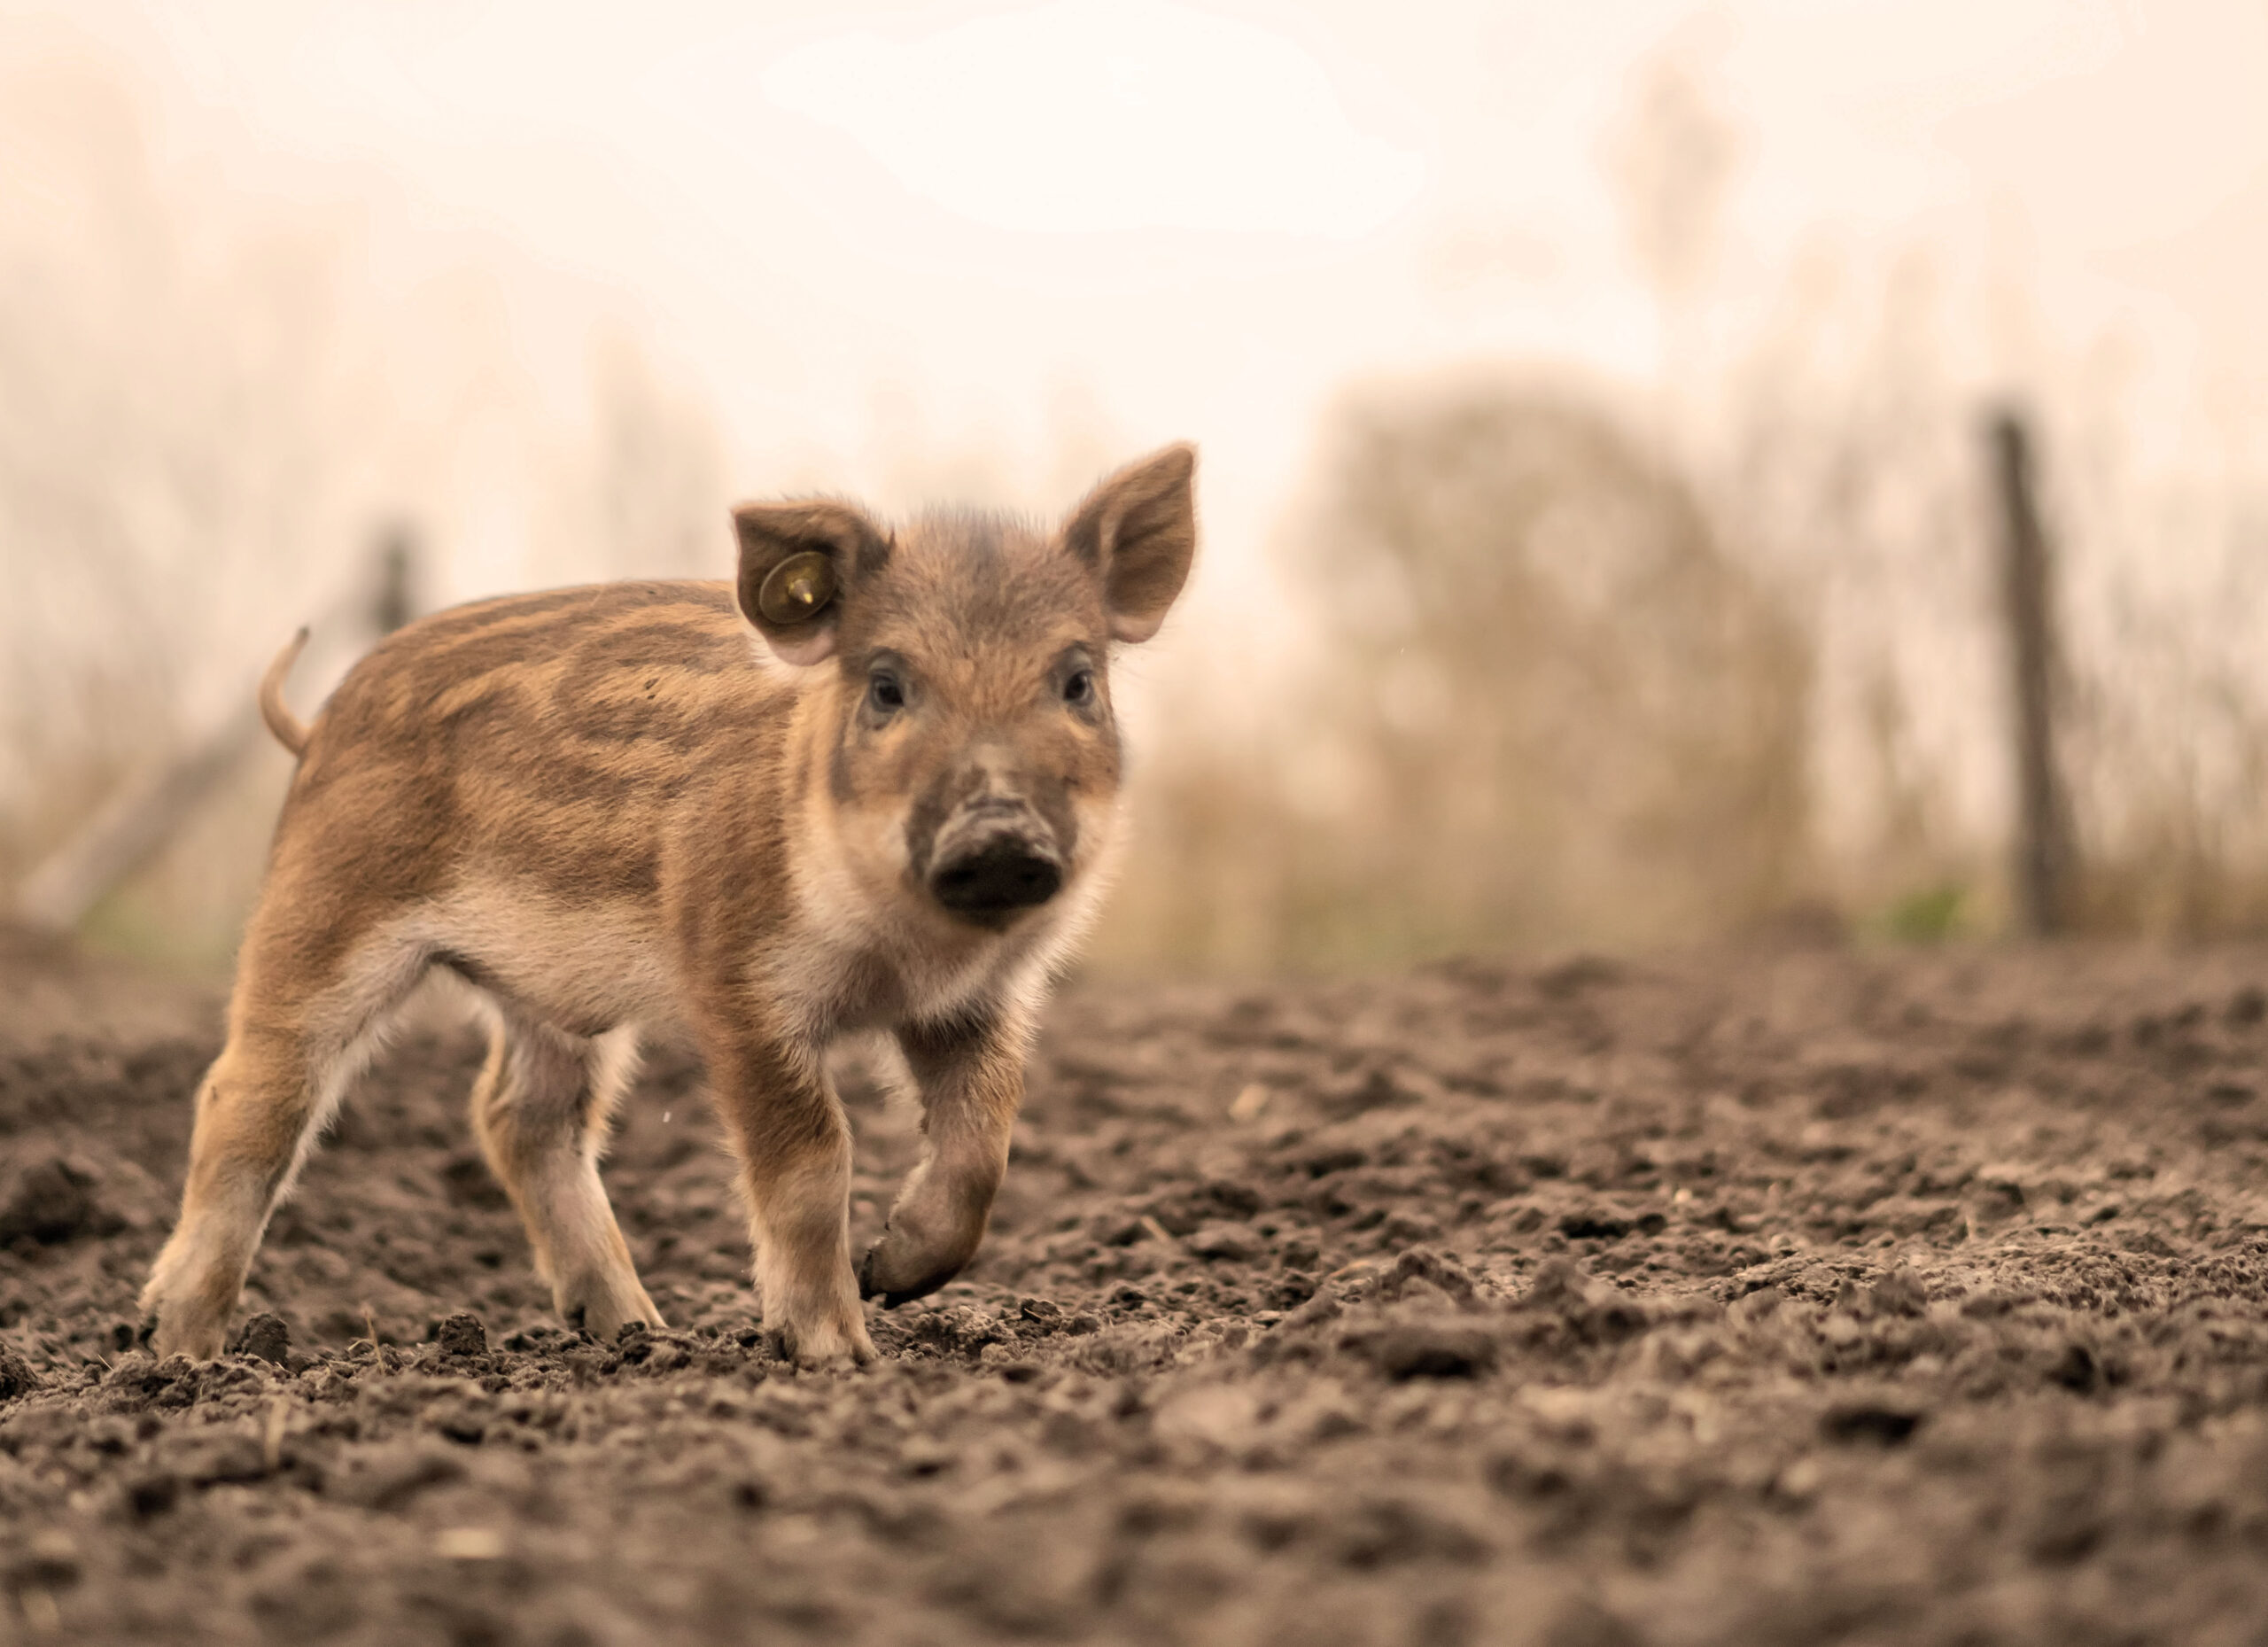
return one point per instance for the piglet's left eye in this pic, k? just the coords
(1079, 686)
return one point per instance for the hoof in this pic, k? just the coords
(887, 1275)
(600, 1313)
(833, 1349)
(198, 1342)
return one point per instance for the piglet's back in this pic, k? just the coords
(545, 735)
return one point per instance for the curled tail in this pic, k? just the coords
(290, 730)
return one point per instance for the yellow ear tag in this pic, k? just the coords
(797, 589)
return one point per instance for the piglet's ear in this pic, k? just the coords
(1138, 530)
(799, 562)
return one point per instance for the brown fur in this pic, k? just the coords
(605, 808)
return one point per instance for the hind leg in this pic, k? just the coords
(541, 1108)
(294, 1042)
(257, 1105)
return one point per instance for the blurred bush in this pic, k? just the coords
(1546, 707)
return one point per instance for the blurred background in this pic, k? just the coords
(1658, 463)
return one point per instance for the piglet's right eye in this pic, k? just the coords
(885, 693)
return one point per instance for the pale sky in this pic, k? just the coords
(1205, 216)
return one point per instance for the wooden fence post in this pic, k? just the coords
(2043, 866)
(396, 602)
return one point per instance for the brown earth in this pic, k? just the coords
(1736, 1298)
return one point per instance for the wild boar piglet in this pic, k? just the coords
(871, 785)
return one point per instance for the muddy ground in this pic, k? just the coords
(1736, 1298)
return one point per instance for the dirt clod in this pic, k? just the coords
(265, 1336)
(53, 1201)
(462, 1335)
(1887, 1427)
(17, 1376)
(1427, 1347)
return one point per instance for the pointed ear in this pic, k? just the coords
(798, 563)
(1137, 530)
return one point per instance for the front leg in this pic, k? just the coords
(794, 1143)
(971, 1075)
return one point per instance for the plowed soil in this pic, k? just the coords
(1738, 1298)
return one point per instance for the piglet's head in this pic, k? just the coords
(974, 761)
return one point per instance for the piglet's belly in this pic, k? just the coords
(584, 968)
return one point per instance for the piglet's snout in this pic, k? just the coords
(994, 856)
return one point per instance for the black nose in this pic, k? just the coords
(997, 877)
